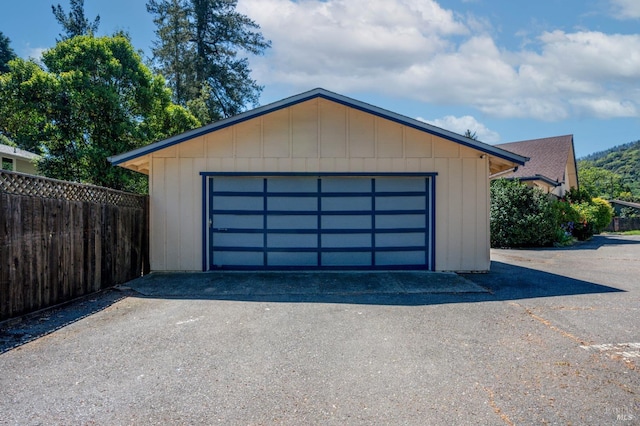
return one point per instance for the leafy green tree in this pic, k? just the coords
(6, 141)
(623, 160)
(600, 182)
(25, 94)
(628, 196)
(6, 53)
(75, 23)
(96, 99)
(197, 51)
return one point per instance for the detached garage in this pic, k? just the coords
(319, 181)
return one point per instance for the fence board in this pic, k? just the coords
(60, 240)
(621, 224)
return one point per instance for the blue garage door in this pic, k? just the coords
(320, 222)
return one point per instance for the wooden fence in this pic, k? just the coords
(621, 224)
(61, 240)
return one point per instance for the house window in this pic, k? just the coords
(7, 164)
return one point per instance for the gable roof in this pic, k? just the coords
(548, 158)
(324, 94)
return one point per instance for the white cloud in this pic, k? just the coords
(607, 108)
(419, 50)
(460, 125)
(35, 52)
(626, 9)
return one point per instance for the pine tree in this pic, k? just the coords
(471, 135)
(75, 23)
(198, 53)
(174, 54)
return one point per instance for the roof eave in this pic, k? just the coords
(539, 177)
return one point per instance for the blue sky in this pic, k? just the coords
(507, 70)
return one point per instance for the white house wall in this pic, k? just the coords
(319, 136)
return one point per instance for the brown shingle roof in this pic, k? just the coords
(548, 156)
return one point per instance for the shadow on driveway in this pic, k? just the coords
(18, 331)
(504, 282)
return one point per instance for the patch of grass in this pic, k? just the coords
(636, 232)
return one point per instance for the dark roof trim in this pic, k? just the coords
(625, 203)
(575, 164)
(306, 96)
(537, 177)
(323, 174)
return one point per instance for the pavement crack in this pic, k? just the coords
(549, 325)
(496, 409)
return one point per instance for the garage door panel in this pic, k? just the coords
(292, 222)
(223, 202)
(292, 258)
(353, 185)
(406, 203)
(297, 240)
(237, 221)
(338, 204)
(413, 239)
(400, 221)
(292, 204)
(391, 184)
(352, 258)
(237, 258)
(236, 184)
(346, 240)
(297, 184)
(227, 239)
(346, 222)
(392, 258)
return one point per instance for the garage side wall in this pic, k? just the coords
(319, 136)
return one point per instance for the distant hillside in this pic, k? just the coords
(623, 160)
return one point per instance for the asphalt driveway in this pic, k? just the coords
(548, 337)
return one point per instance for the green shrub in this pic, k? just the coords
(604, 215)
(584, 216)
(598, 212)
(569, 221)
(521, 216)
(576, 218)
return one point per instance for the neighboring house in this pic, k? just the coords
(619, 206)
(18, 160)
(551, 166)
(319, 181)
